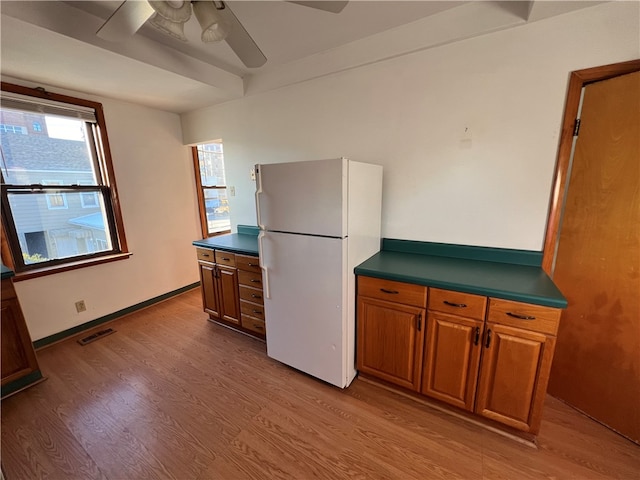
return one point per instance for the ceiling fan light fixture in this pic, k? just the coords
(175, 29)
(173, 11)
(214, 27)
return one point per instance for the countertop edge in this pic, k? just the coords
(532, 298)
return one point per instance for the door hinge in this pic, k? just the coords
(576, 127)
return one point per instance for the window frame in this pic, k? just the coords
(204, 224)
(97, 136)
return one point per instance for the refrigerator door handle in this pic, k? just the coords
(265, 270)
(258, 192)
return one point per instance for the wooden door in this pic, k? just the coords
(229, 297)
(597, 362)
(208, 287)
(451, 360)
(513, 374)
(390, 341)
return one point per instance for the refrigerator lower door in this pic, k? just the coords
(306, 319)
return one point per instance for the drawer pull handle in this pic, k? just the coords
(226, 259)
(457, 305)
(253, 295)
(257, 311)
(488, 339)
(521, 317)
(253, 265)
(477, 339)
(253, 280)
(205, 254)
(392, 292)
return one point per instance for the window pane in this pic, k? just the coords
(43, 148)
(217, 208)
(46, 234)
(211, 159)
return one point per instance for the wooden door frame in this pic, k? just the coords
(577, 80)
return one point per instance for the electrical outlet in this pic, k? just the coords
(80, 306)
(252, 174)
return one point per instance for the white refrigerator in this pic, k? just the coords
(318, 220)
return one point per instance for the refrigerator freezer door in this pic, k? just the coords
(303, 197)
(306, 317)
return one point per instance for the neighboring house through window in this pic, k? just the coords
(58, 194)
(212, 190)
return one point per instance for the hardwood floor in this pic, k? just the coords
(171, 395)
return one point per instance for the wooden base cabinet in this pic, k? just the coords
(452, 352)
(494, 362)
(232, 290)
(219, 283)
(391, 333)
(251, 295)
(18, 363)
(516, 363)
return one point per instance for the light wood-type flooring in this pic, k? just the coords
(171, 395)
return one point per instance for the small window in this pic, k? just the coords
(212, 190)
(57, 182)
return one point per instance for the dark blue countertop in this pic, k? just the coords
(6, 272)
(246, 241)
(498, 279)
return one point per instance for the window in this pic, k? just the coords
(12, 129)
(212, 191)
(59, 200)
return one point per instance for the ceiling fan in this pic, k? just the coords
(215, 17)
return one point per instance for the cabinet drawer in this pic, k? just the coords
(524, 315)
(252, 309)
(457, 303)
(225, 258)
(405, 293)
(251, 294)
(253, 324)
(205, 255)
(251, 279)
(245, 262)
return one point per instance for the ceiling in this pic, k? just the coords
(55, 43)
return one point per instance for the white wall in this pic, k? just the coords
(154, 175)
(409, 114)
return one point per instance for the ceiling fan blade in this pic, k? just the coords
(241, 42)
(125, 21)
(327, 6)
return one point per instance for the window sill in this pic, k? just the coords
(41, 272)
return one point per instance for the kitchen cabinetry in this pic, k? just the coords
(455, 325)
(494, 361)
(518, 351)
(231, 287)
(19, 364)
(219, 283)
(391, 330)
(251, 294)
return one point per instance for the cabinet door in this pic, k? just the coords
(514, 375)
(228, 294)
(208, 287)
(452, 359)
(18, 357)
(390, 341)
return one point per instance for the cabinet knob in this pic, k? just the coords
(477, 339)
(488, 339)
